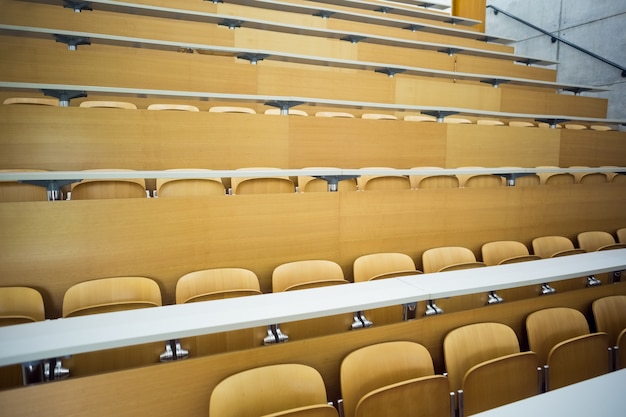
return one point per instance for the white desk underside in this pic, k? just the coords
(600, 396)
(56, 338)
(261, 54)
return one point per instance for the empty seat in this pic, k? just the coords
(479, 180)
(107, 295)
(378, 116)
(380, 266)
(621, 235)
(589, 177)
(556, 178)
(377, 182)
(190, 187)
(601, 128)
(484, 361)
(217, 284)
(179, 107)
(598, 240)
(299, 275)
(262, 185)
(231, 109)
(270, 390)
(457, 121)
(561, 339)
(338, 114)
(393, 379)
(420, 118)
(291, 112)
(518, 123)
(308, 184)
(489, 122)
(433, 180)
(15, 191)
(108, 104)
(32, 100)
(610, 317)
(574, 126)
(108, 188)
(554, 246)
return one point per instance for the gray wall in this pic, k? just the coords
(596, 25)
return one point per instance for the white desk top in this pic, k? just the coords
(601, 396)
(56, 338)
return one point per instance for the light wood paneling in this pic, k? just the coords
(473, 64)
(516, 100)
(446, 94)
(583, 147)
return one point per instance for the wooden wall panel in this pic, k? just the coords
(405, 56)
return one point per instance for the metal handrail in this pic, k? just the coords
(556, 38)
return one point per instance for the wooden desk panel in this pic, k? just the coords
(466, 63)
(184, 387)
(527, 101)
(588, 148)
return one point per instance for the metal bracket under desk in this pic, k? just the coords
(52, 186)
(333, 180)
(511, 177)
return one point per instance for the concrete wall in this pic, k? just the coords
(598, 26)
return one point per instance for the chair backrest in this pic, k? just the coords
(108, 188)
(32, 100)
(479, 180)
(14, 191)
(438, 259)
(433, 180)
(505, 251)
(577, 359)
(372, 367)
(266, 390)
(556, 178)
(378, 116)
(291, 112)
(457, 121)
(420, 118)
(548, 327)
(231, 109)
(218, 283)
(179, 107)
(609, 314)
(574, 126)
(597, 240)
(468, 346)
(490, 122)
(589, 177)
(517, 123)
(621, 235)
(20, 305)
(318, 410)
(382, 265)
(601, 128)
(383, 181)
(306, 274)
(189, 187)
(335, 114)
(262, 185)
(108, 104)
(621, 351)
(110, 294)
(553, 246)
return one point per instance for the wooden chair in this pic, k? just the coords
(300, 275)
(450, 258)
(91, 189)
(218, 284)
(15, 191)
(231, 109)
(609, 314)
(574, 126)
(18, 305)
(554, 246)
(598, 240)
(291, 112)
(270, 391)
(380, 266)
(307, 184)
(507, 252)
(433, 181)
(178, 107)
(108, 295)
(393, 379)
(31, 100)
(556, 178)
(108, 104)
(600, 128)
(420, 118)
(335, 114)
(489, 122)
(383, 181)
(262, 185)
(479, 180)
(517, 123)
(561, 339)
(378, 116)
(318, 410)
(589, 177)
(487, 369)
(457, 121)
(621, 235)
(189, 187)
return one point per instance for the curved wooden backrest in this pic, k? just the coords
(574, 126)
(266, 390)
(621, 233)
(609, 314)
(578, 359)
(428, 396)
(621, 350)
(597, 240)
(457, 121)
(515, 123)
(433, 181)
(490, 122)
(108, 188)
(601, 128)
(494, 253)
(306, 274)
(32, 100)
(189, 187)
(462, 265)
(262, 185)
(178, 107)
(468, 346)
(339, 114)
(378, 116)
(231, 109)
(500, 381)
(383, 181)
(372, 367)
(14, 191)
(20, 305)
(375, 265)
(291, 112)
(215, 284)
(420, 118)
(321, 410)
(434, 259)
(557, 178)
(589, 177)
(548, 327)
(479, 180)
(108, 104)
(307, 184)
(110, 294)
(550, 246)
